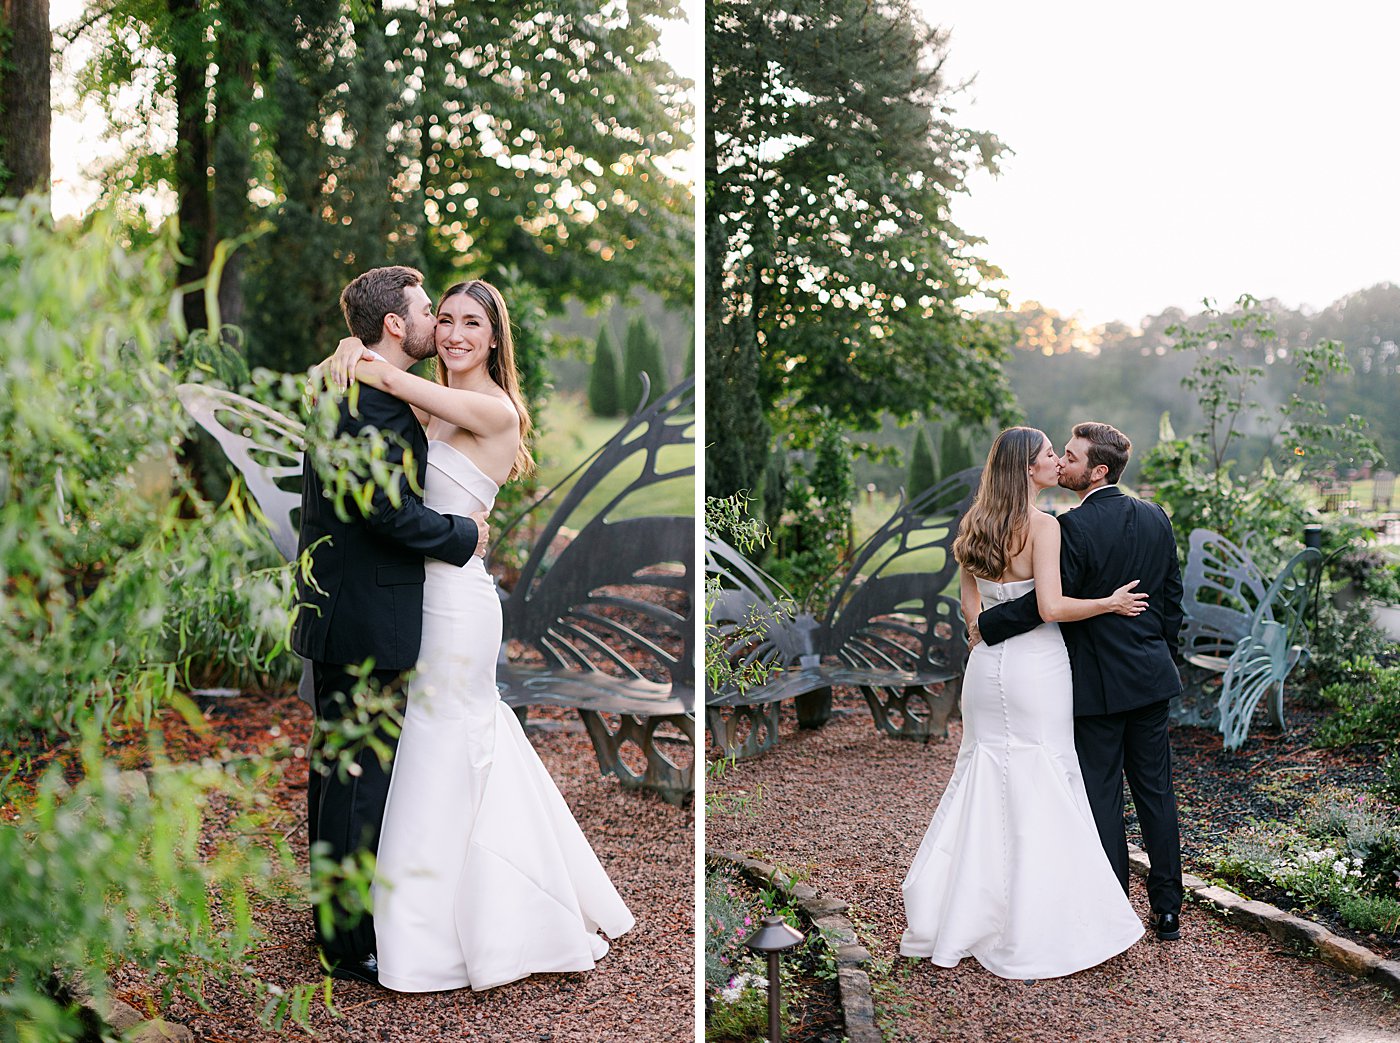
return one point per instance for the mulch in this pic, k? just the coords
(642, 990)
(846, 807)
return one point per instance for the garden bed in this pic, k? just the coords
(1220, 793)
(736, 1009)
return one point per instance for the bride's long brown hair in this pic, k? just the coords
(997, 520)
(500, 365)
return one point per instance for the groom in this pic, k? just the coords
(1123, 667)
(364, 599)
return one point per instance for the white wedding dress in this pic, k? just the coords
(1011, 870)
(483, 875)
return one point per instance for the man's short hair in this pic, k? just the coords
(1107, 446)
(374, 294)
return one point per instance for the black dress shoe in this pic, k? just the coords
(1167, 925)
(365, 970)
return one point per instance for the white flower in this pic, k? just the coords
(1339, 867)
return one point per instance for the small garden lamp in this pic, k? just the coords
(773, 937)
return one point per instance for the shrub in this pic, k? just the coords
(103, 875)
(1345, 642)
(1343, 850)
(1367, 709)
(1194, 477)
(1373, 575)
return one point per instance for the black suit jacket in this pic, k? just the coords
(1119, 662)
(371, 568)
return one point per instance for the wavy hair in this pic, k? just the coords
(994, 529)
(500, 364)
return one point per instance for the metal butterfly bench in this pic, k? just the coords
(889, 631)
(1249, 632)
(600, 619)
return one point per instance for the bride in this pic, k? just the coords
(1011, 870)
(483, 876)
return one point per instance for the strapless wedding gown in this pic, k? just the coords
(1011, 871)
(483, 875)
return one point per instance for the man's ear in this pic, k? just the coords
(393, 325)
(1099, 471)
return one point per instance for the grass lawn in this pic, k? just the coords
(571, 433)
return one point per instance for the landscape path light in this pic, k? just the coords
(773, 937)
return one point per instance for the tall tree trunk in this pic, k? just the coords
(26, 112)
(192, 158)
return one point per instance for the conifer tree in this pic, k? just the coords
(604, 398)
(954, 454)
(642, 354)
(921, 472)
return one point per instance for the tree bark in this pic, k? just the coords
(192, 159)
(26, 110)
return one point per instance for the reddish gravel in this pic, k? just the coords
(642, 990)
(847, 807)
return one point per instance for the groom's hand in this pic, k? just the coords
(483, 532)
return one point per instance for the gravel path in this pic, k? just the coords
(640, 991)
(845, 808)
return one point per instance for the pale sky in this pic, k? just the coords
(1168, 152)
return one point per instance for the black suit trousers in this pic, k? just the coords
(345, 808)
(1135, 743)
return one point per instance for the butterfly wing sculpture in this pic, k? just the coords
(899, 637)
(600, 616)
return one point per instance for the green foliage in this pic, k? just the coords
(84, 445)
(1367, 708)
(922, 474)
(642, 354)
(1065, 371)
(120, 587)
(1343, 850)
(1345, 642)
(726, 519)
(463, 139)
(815, 535)
(1193, 477)
(604, 398)
(1372, 574)
(840, 283)
(103, 874)
(735, 979)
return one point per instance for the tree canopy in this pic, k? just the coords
(523, 142)
(843, 285)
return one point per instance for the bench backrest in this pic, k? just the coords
(1223, 588)
(888, 612)
(266, 448)
(616, 597)
(1227, 598)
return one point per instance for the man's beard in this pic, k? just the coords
(420, 344)
(1075, 485)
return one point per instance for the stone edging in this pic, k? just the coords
(828, 916)
(1308, 937)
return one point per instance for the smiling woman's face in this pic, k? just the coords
(464, 334)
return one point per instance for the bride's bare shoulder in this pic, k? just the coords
(1042, 524)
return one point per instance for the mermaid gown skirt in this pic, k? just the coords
(1011, 870)
(483, 876)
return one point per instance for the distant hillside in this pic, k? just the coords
(1063, 372)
